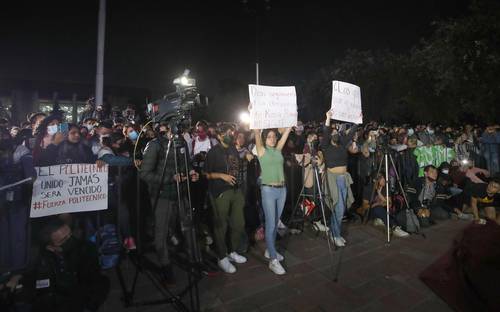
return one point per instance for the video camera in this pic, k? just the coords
(176, 107)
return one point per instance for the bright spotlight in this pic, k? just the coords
(245, 117)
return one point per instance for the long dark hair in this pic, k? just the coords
(40, 134)
(265, 132)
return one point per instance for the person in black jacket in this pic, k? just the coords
(427, 198)
(66, 276)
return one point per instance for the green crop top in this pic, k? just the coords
(271, 164)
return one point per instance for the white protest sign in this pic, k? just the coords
(346, 102)
(272, 107)
(69, 188)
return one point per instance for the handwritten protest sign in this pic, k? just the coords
(272, 107)
(69, 188)
(346, 102)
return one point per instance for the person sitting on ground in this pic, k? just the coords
(375, 197)
(486, 197)
(425, 199)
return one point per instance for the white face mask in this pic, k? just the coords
(51, 130)
(445, 171)
(410, 132)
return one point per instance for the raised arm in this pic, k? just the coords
(327, 131)
(258, 142)
(284, 137)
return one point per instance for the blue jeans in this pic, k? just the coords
(273, 201)
(338, 212)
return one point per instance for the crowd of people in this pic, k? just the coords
(243, 185)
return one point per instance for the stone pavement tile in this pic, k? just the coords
(403, 298)
(377, 288)
(267, 297)
(248, 287)
(432, 305)
(304, 281)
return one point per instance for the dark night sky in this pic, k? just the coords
(148, 43)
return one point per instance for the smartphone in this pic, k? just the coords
(63, 128)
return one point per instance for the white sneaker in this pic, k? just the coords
(278, 255)
(398, 232)
(320, 226)
(235, 257)
(226, 266)
(338, 242)
(378, 222)
(276, 267)
(343, 240)
(281, 225)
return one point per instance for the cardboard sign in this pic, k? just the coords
(272, 107)
(69, 188)
(346, 102)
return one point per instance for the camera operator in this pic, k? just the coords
(66, 275)
(222, 170)
(165, 211)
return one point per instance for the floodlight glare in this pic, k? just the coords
(245, 118)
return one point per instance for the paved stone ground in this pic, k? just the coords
(373, 276)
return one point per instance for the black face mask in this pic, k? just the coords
(335, 139)
(69, 245)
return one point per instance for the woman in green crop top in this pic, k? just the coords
(273, 188)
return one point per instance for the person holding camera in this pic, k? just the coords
(222, 169)
(163, 192)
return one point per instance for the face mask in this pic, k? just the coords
(51, 130)
(430, 131)
(445, 171)
(228, 139)
(89, 127)
(133, 135)
(410, 132)
(335, 139)
(69, 245)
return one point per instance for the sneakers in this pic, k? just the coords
(318, 226)
(226, 266)
(398, 232)
(281, 225)
(275, 266)
(129, 243)
(465, 216)
(378, 222)
(235, 257)
(278, 255)
(339, 241)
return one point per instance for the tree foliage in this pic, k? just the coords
(452, 76)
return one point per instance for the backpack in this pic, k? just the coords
(109, 246)
(407, 219)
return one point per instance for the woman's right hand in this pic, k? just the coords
(329, 114)
(228, 178)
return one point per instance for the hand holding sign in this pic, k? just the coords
(346, 102)
(272, 107)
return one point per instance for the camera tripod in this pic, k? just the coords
(385, 161)
(318, 195)
(191, 264)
